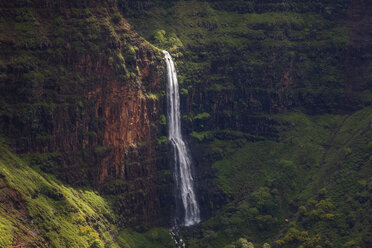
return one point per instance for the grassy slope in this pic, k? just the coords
(156, 238)
(58, 215)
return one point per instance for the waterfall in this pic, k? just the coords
(185, 193)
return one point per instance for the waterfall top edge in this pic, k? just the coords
(167, 55)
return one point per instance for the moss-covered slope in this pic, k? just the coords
(37, 210)
(310, 186)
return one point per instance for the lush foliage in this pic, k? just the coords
(313, 182)
(60, 215)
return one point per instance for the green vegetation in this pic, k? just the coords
(156, 238)
(6, 232)
(101, 150)
(202, 116)
(63, 216)
(315, 175)
(116, 18)
(162, 140)
(163, 120)
(166, 41)
(202, 135)
(227, 48)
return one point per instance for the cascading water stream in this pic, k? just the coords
(182, 163)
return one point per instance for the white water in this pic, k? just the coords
(181, 158)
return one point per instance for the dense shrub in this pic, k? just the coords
(116, 18)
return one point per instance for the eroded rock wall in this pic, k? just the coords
(82, 94)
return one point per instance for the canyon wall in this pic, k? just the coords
(276, 100)
(241, 62)
(82, 94)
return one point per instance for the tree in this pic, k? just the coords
(243, 243)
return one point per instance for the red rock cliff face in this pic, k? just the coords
(96, 106)
(128, 114)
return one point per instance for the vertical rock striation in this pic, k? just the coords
(82, 94)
